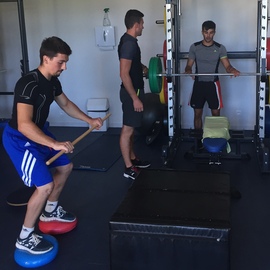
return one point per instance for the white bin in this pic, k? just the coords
(98, 107)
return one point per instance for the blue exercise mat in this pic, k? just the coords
(100, 155)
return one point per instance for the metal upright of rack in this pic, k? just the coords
(262, 143)
(24, 62)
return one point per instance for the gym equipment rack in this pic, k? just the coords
(24, 62)
(173, 54)
(262, 144)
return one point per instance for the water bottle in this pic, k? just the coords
(106, 20)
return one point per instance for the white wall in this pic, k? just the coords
(93, 73)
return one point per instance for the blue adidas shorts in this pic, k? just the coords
(29, 158)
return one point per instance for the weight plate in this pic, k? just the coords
(165, 87)
(155, 82)
(165, 25)
(267, 100)
(268, 53)
(165, 54)
(161, 94)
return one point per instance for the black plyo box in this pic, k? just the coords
(173, 220)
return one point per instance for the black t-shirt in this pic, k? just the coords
(34, 89)
(128, 48)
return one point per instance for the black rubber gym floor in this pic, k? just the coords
(94, 196)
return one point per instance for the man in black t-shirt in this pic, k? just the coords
(29, 143)
(132, 90)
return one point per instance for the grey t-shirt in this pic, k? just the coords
(207, 59)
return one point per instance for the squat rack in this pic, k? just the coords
(24, 62)
(262, 144)
(172, 12)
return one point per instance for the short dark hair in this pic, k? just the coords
(208, 25)
(52, 46)
(133, 16)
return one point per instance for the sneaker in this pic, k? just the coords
(140, 163)
(131, 172)
(34, 244)
(59, 214)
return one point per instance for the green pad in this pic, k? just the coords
(155, 68)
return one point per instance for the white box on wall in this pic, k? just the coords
(105, 37)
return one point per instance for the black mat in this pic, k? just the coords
(21, 196)
(185, 216)
(100, 155)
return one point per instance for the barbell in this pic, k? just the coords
(155, 75)
(208, 74)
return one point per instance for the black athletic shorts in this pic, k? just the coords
(130, 117)
(209, 92)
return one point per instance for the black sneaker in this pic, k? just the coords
(34, 244)
(131, 172)
(59, 214)
(140, 163)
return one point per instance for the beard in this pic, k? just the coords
(58, 73)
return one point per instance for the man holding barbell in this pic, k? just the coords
(29, 143)
(207, 54)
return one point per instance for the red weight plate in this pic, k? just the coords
(165, 87)
(268, 53)
(165, 54)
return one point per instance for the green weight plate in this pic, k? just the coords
(155, 82)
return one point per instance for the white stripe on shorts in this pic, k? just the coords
(27, 166)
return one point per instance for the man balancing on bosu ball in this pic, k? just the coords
(29, 144)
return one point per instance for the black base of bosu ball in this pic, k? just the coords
(175, 220)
